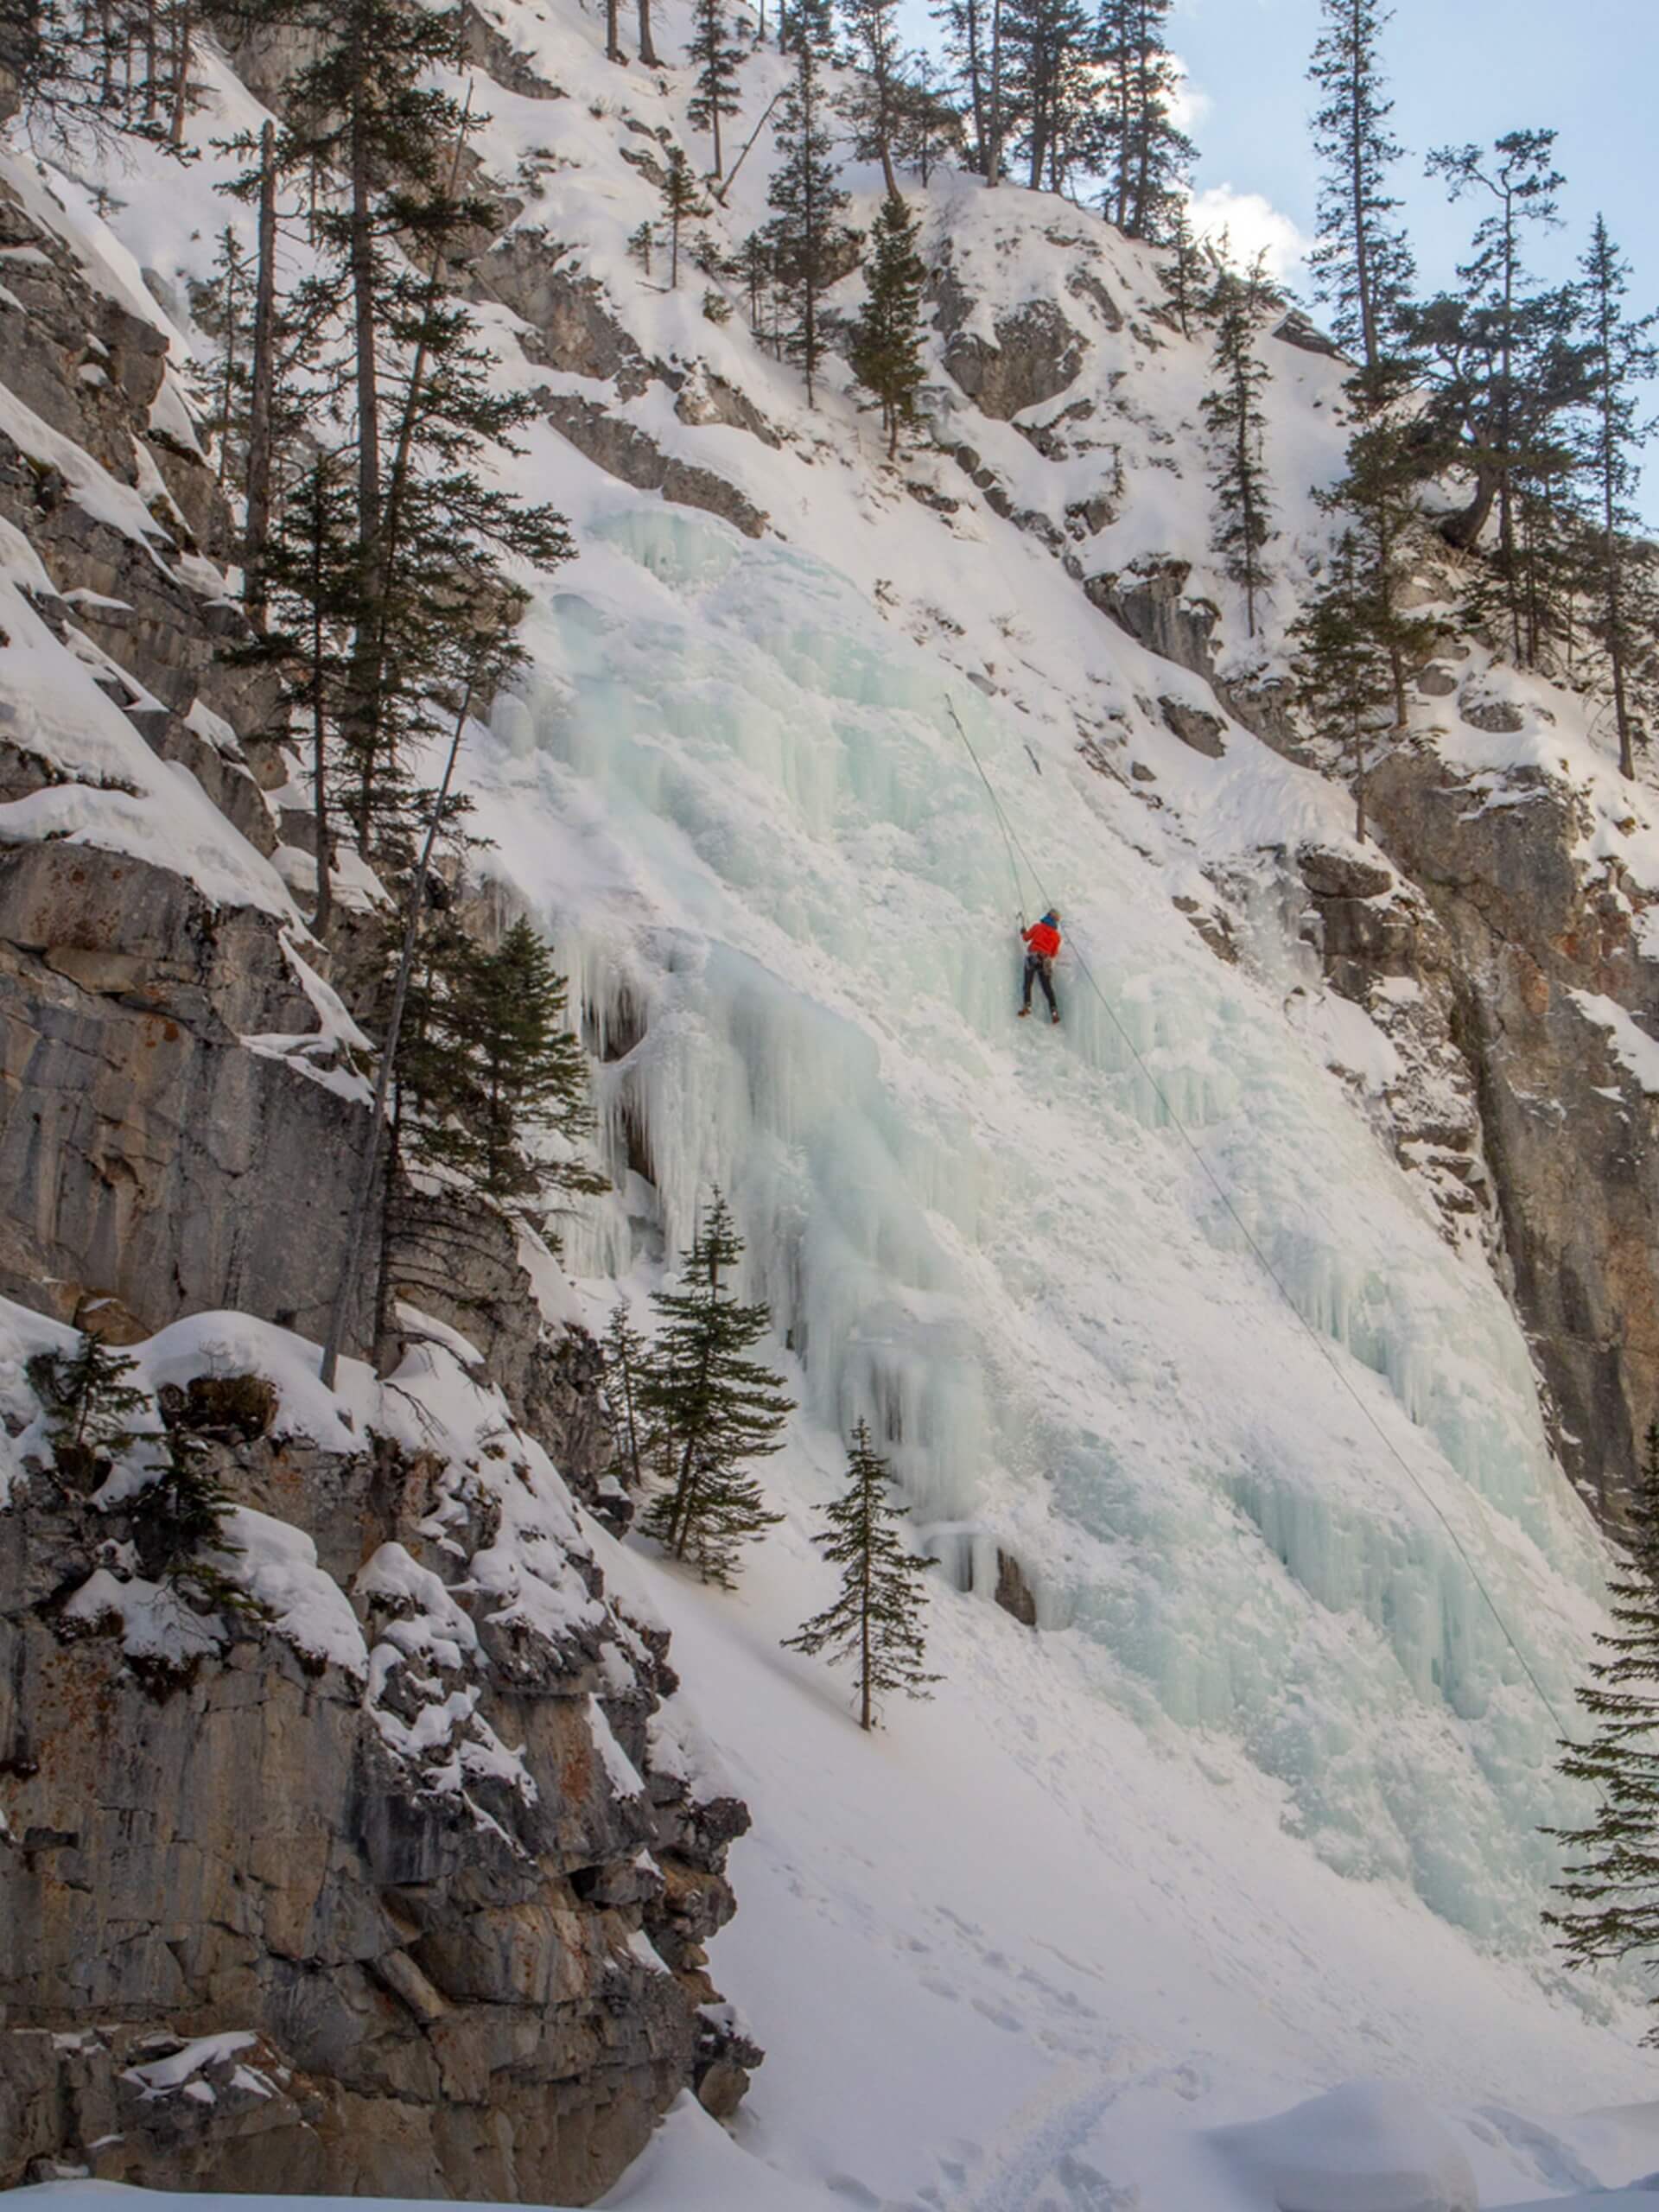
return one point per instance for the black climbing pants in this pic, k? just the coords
(1039, 970)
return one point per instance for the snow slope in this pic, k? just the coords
(1256, 1812)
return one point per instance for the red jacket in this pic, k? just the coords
(1043, 938)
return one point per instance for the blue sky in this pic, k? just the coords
(1460, 70)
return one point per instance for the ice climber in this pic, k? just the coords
(1042, 943)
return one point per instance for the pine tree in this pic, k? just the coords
(490, 1065)
(806, 233)
(364, 108)
(887, 349)
(626, 1359)
(90, 1406)
(930, 127)
(1363, 264)
(720, 65)
(808, 22)
(1045, 45)
(1502, 372)
(1611, 1881)
(967, 46)
(1144, 156)
(1375, 506)
(1343, 674)
(716, 1410)
(874, 106)
(310, 582)
(1184, 269)
(1232, 414)
(1618, 573)
(682, 203)
(875, 1621)
(223, 389)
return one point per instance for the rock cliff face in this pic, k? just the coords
(372, 1857)
(391, 1811)
(1552, 1003)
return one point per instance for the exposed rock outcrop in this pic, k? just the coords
(1569, 1123)
(1036, 354)
(623, 450)
(145, 1152)
(416, 1845)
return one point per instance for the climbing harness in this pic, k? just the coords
(1012, 840)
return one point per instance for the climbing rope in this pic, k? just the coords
(1012, 840)
(1002, 819)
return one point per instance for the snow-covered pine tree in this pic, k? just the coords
(887, 348)
(1232, 415)
(875, 1620)
(1362, 266)
(1618, 573)
(716, 1410)
(1611, 1883)
(682, 203)
(1144, 156)
(719, 64)
(809, 239)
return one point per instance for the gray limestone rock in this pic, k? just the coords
(1037, 353)
(623, 450)
(238, 1872)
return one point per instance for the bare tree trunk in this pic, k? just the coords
(725, 185)
(613, 34)
(324, 913)
(648, 53)
(1359, 779)
(1463, 529)
(181, 73)
(993, 156)
(229, 398)
(864, 1712)
(257, 529)
(362, 689)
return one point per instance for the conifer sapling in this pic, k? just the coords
(715, 1410)
(90, 1405)
(887, 348)
(1611, 1884)
(875, 1621)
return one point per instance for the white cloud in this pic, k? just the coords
(1255, 225)
(1189, 105)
